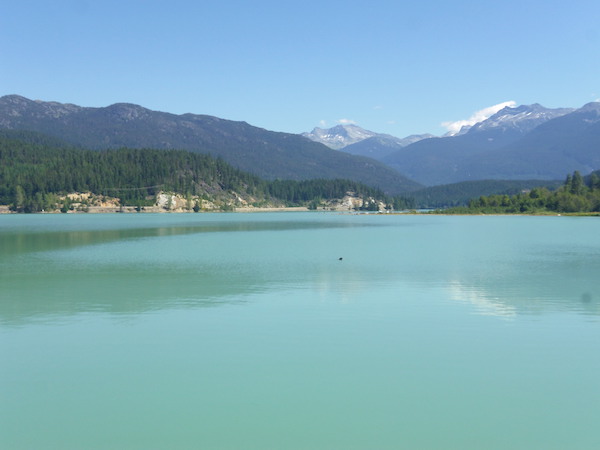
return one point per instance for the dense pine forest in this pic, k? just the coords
(35, 170)
(576, 195)
(459, 194)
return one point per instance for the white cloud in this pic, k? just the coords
(476, 117)
(323, 123)
(346, 122)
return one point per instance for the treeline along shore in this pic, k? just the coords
(578, 195)
(37, 176)
(40, 175)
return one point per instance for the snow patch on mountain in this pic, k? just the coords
(339, 136)
(523, 118)
(458, 127)
(345, 135)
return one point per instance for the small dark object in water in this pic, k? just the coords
(341, 259)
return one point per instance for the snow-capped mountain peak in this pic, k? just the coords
(339, 136)
(523, 118)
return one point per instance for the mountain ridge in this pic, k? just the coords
(339, 136)
(523, 142)
(351, 138)
(490, 149)
(268, 154)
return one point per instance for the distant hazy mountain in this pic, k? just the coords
(265, 153)
(523, 143)
(358, 141)
(339, 136)
(521, 119)
(551, 150)
(382, 145)
(465, 156)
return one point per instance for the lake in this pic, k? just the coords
(247, 331)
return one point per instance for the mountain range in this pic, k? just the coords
(270, 155)
(528, 142)
(525, 142)
(355, 140)
(339, 136)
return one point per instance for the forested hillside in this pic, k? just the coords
(267, 154)
(459, 194)
(576, 195)
(33, 172)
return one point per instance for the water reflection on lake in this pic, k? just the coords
(53, 264)
(248, 331)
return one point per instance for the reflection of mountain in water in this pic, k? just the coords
(494, 302)
(49, 275)
(16, 242)
(127, 292)
(497, 265)
(566, 282)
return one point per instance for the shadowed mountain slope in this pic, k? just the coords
(484, 151)
(268, 154)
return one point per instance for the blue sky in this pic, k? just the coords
(390, 66)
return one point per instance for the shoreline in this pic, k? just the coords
(88, 203)
(4, 209)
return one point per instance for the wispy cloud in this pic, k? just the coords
(476, 117)
(322, 123)
(346, 122)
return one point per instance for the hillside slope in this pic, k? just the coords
(483, 152)
(268, 154)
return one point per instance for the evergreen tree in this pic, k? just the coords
(576, 186)
(32, 174)
(19, 199)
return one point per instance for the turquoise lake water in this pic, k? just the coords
(246, 331)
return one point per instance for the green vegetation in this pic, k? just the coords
(576, 195)
(267, 154)
(459, 194)
(33, 174)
